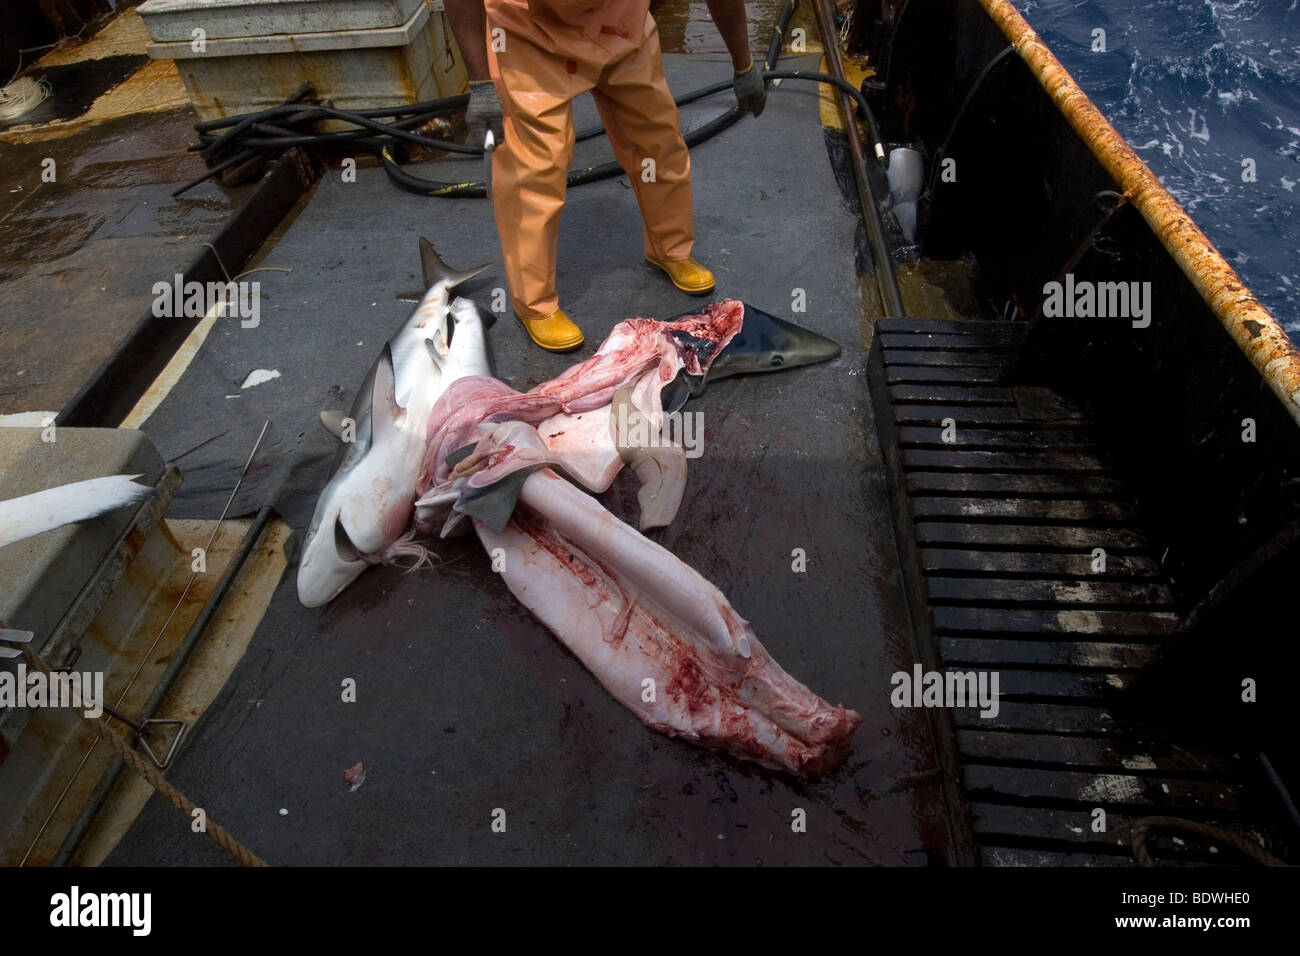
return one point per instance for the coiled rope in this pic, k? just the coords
(118, 741)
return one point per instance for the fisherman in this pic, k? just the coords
(526, 64)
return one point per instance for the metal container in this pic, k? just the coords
(175, 20)
(355, 68)
(79, 589)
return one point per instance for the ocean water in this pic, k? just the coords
(1198, 87)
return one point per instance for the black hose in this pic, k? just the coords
(379, 137)
(778, 34)
(238, 126)
(355, 135)
(576, 177)
(870, 117)
(591, 174)
(450, 104)
(323, 112)
(289, 139)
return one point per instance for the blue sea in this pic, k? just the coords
(1197, 87)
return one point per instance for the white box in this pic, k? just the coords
(412, 62)
(175, 20)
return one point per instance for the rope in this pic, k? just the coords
(23, 96)
(118, 741)
(1246, 847)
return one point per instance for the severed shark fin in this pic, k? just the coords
(683, 386)
(454, 458)
(46, 510)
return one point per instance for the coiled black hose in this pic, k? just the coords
(263, 130)
(591, 174)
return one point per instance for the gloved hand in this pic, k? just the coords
(484, 113)
(751, 91)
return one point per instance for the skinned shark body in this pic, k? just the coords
(636, 615)
(660, 638)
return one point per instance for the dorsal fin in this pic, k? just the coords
(385, 413)
(435, 270)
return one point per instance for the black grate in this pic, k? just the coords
(997, 530)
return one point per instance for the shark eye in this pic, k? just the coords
(778, 360)
(343, 544)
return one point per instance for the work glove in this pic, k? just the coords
(751, 91)
(484, 112)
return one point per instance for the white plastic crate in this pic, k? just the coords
(391, 64)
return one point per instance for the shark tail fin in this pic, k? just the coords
(435, 270)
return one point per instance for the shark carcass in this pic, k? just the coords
(661, 639)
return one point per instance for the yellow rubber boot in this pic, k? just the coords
(687, 274)
(555, 332)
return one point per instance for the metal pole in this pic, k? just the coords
(890, 298)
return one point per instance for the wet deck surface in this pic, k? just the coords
(79, 255)
(685, 26)
(466, 704)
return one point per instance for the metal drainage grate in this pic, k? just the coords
(998, 527)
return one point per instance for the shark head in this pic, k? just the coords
(330, 558)
(768, 344)
(763, 344)
(330, 561)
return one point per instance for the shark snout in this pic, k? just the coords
(809, 348)
(766, 343)
(323, 571)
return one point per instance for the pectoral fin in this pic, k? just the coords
(494, 504)
(332, 419)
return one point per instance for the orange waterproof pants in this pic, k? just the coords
(543, 54)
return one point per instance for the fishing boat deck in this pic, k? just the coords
(965, 555)
(465, 703)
